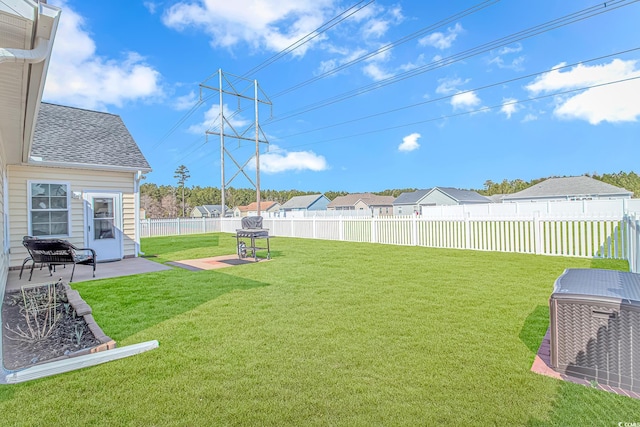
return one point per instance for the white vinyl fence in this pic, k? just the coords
(578, 235)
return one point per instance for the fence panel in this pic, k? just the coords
(579, 235)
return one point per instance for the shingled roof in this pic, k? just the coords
(569, 187)
(464, 196)
(84, 138)
(411, 197)
(301, 202)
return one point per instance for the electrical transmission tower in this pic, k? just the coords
(245, 92)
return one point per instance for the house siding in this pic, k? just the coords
(319, 205)
(4, 254)
(80, 180)
(437, 198)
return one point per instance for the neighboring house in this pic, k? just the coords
(568, 188)
(409, 203)
(314, 202)
(27, 31)
(207, 211)
(412, 202)
(252, 209)
(439, 196)
(367, 203)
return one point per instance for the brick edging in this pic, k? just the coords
(83, 309)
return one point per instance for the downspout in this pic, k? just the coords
(136, 212)
(32, 56)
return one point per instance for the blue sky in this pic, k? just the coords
(399, 94)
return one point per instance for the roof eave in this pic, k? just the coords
(88, 166)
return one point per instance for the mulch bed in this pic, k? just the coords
(24, 345)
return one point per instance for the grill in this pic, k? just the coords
(253, 232)
(595, 326)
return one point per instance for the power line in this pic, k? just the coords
(503, 82)
(521, 35)
(307, 38)
(464, 113)
(310, 36)
(414, 35)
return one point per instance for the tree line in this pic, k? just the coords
(167, 201)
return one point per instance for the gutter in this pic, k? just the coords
(34, 161)
(31, 56)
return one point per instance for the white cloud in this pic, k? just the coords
(410, 142)
(376, 72)
(151, 6)
(619, 102)
(78, 76)
(616, 103)
(185, 102)
(497, 58)
(509, 107)
(465, 100)
(278, 160)
(272, 25)
(448, 86)
(378, 26)
(441, 40)
(211, 121)
(529, 118)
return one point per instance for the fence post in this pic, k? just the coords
(179, 231)
(467, 230)
(537, 233)
(204, 225)
(148, 227)
(374, 234)
(313, 227)
(340, 228)
(414, 230)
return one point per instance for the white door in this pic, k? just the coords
(104, 225)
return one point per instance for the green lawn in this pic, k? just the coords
(327, 333)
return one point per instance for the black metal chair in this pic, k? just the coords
(53, 252)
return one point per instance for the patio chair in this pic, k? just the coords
(53, 252)
(27, 259)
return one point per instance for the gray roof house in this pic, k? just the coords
(568, 188)
(408, 203)
(80, 183)
(208, 211)
(313, 202)
(412, 202)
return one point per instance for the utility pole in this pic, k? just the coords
(229, 85)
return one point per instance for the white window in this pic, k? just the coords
(49, 213)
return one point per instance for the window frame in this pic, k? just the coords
(30, 209)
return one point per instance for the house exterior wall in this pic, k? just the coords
(361, 206)
(437, 198)
(401, 210)
(195, 213)
(4, 254)
(319, 205)
(80, 180)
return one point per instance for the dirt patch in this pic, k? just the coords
(48, 329)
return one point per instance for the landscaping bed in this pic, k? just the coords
(46, 323)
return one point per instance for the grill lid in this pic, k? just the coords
(597, 282)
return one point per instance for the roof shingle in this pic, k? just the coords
(84, 137)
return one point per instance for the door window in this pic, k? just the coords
(103, 218)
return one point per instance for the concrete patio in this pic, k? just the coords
(125, 267)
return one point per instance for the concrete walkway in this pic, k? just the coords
(125, 267)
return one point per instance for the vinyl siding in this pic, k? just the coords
(438, 198)
(80, 180)
(4, 254)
